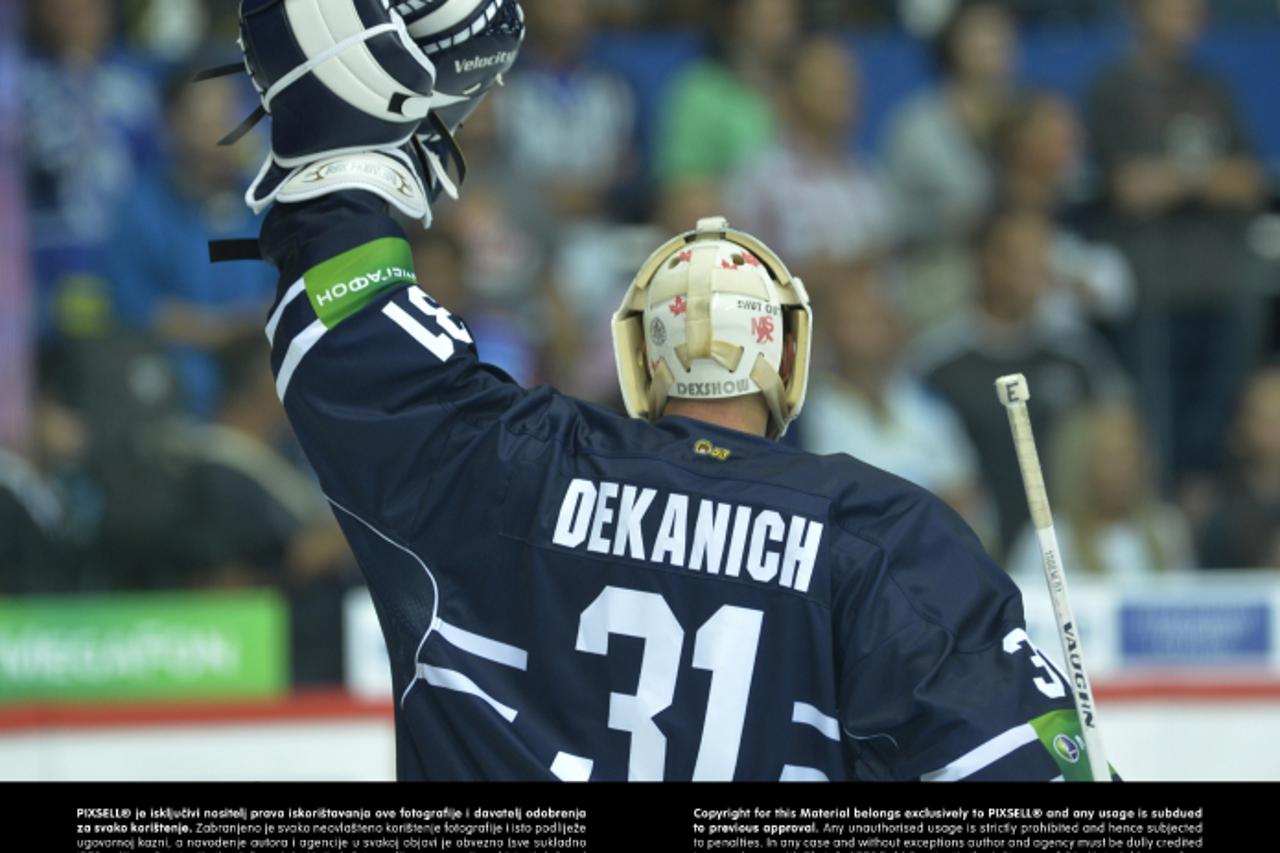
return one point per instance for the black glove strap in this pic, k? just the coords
(451, 144)
(234, 250)
(244, 127)
(218, 71)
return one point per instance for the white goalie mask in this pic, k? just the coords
(706, 318)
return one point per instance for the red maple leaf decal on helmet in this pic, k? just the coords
(685, 256)
(678, 307)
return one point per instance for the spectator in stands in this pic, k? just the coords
(31, 513)
(160, 279)
(1047, 13)
(50, 506)
(254, 516)
(680, 204)
(1037, 154)
(90, 119)
(722, 110)
(567, 126)
(936, 151)
(867, 405)
(936, 147)
(17, 321)
(1181, 183)
(251, 515)
(568, 142)
(170, 31)
(1009, 331)
(497, 334)
(1108, 516)
(1243, 528)
(494, 243)
(506, 225)
(805, 195)
(123, 389)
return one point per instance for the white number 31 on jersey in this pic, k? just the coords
(438, 344)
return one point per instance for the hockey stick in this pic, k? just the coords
(1014, 393)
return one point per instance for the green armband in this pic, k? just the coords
(343, 285)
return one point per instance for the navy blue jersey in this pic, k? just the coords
(569, 593)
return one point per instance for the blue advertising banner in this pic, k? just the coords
(1195, 633)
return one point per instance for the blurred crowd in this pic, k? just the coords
(1112, 247)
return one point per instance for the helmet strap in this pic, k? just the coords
(659, 388)
(770, 385)
(698, 320)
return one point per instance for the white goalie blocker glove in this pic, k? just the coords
(346, 88)
(708, 317)
(473, 43)
(353, 95)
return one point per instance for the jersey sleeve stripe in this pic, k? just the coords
(988, 753)
(572, 768)
(806, 714)
(298, 347)
(483, 647)
(795, 773)
(295, 290)
(450, 679)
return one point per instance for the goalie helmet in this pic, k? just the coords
(706, 318)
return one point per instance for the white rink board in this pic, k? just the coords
(1147, 740)
(344, 750)
(1154, 741)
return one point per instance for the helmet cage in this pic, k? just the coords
(646, 386)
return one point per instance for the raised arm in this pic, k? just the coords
(376, 377)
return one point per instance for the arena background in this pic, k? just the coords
(1080, 189)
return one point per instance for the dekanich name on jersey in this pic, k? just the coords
(715, 537)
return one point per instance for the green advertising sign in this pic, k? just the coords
(179, 645)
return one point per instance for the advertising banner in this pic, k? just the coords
(143, 647)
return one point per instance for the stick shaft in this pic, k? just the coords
(1024, 443)
(1050, 556)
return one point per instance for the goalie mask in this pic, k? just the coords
(706, 318)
